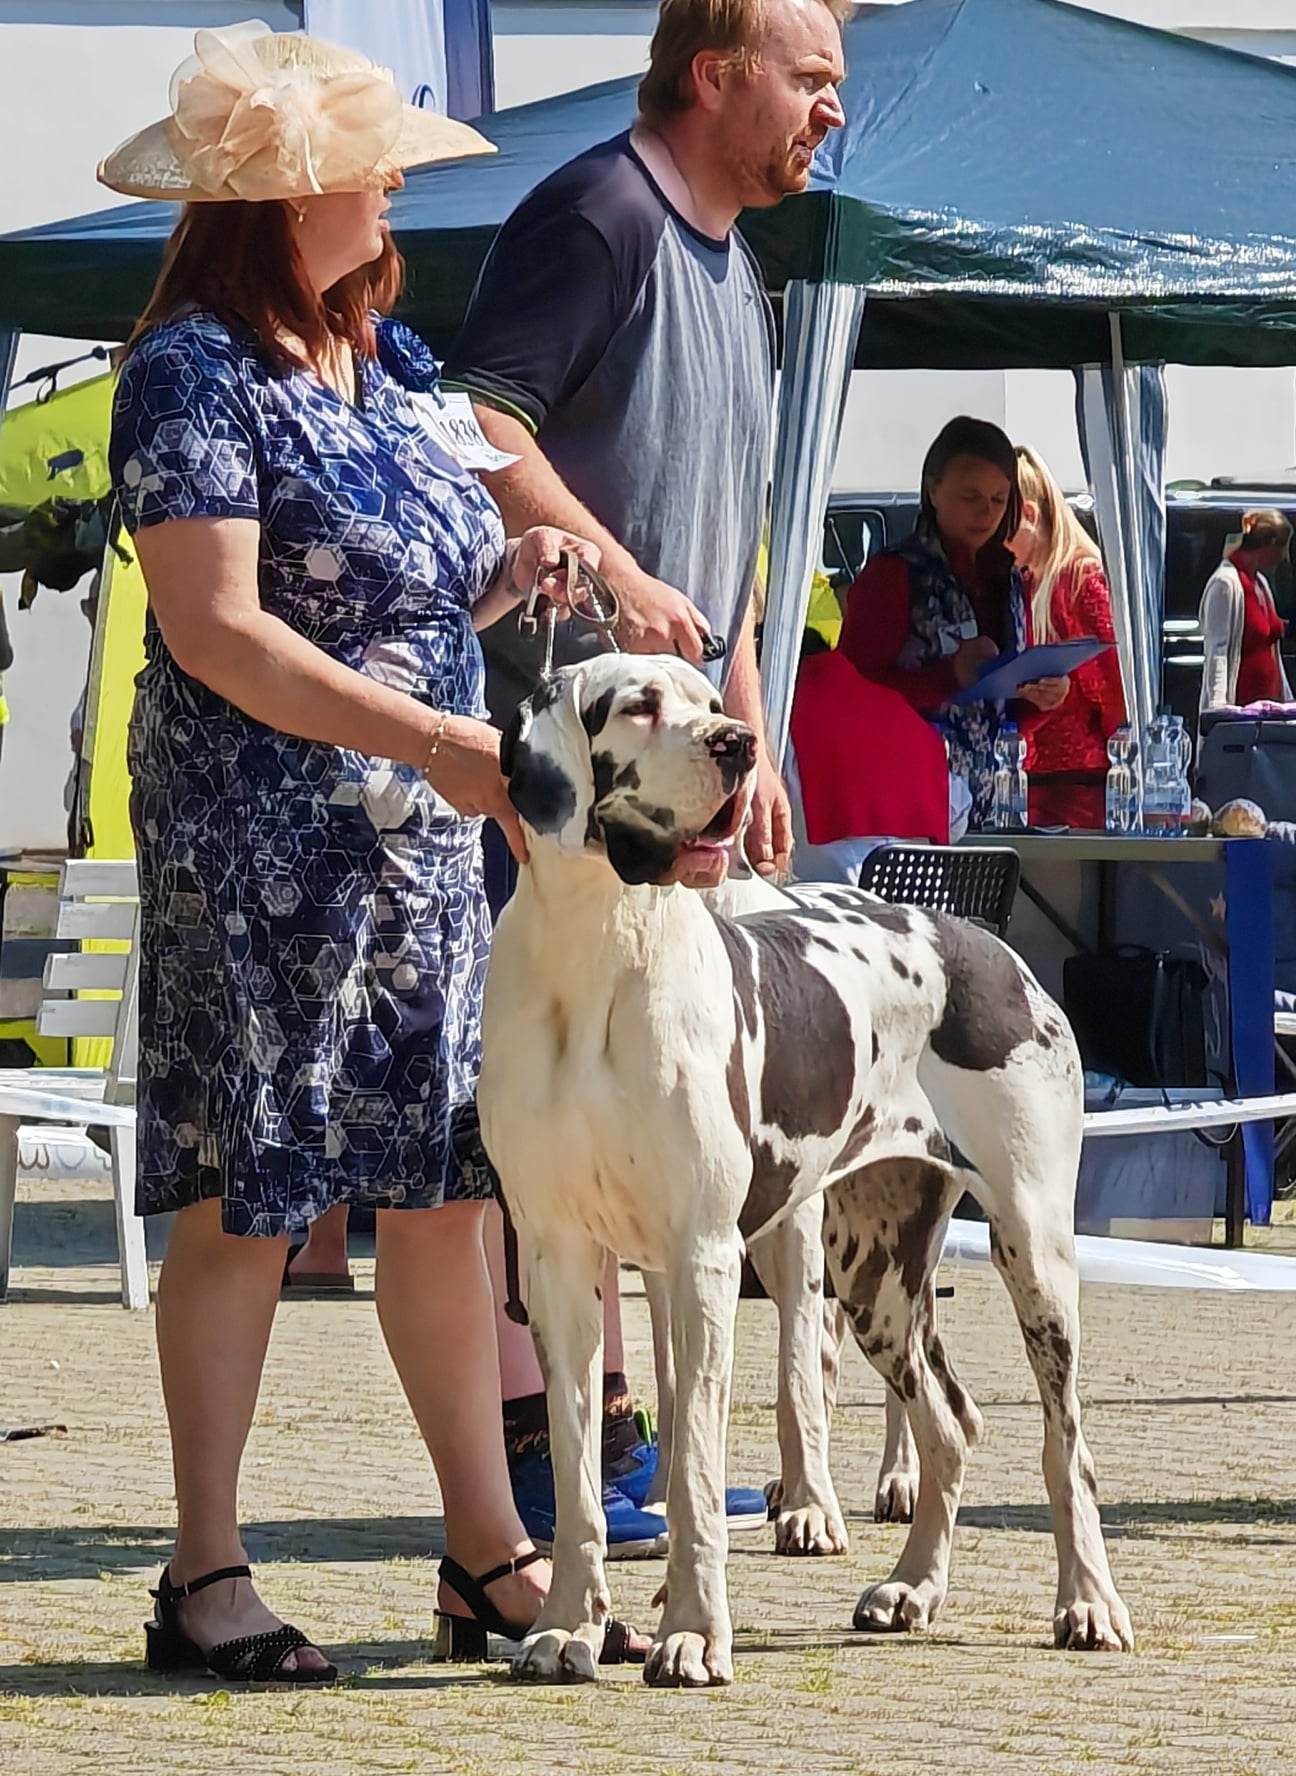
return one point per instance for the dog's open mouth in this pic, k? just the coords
(721, 830)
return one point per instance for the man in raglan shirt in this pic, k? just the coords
(621, 346)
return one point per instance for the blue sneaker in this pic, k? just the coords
(631, 1533)
(746, 1507)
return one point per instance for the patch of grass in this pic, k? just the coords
(53, 1653)
(817, 1678)
(19, 1708)
(468, 1766)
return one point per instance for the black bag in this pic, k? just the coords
(1138, 1014)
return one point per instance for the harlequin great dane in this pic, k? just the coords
(662, 1081)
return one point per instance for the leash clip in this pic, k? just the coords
(541, 613)
(539, 610)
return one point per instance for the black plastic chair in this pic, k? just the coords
(972, 882)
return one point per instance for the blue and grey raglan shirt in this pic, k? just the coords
(641, 353)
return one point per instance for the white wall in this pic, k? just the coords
(541, 49)
(1199, 15)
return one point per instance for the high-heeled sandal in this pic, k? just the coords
(253, 1658)
(461, 1640)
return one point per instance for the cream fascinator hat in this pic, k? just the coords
(257, 114)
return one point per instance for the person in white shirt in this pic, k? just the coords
(1240, 623)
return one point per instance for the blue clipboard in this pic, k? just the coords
(1004, 676)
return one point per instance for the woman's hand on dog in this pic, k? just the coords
(465, 771)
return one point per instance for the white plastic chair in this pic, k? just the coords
(96, 900)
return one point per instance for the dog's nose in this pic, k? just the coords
(734, 745)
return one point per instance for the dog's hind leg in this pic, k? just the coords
(897, 1483)
(564, 1299)
(790, 1263)
(694, 1642)
(886, 1225)
(1035, 1256)
(833, 1343)
(835, 1328)
(1025, 1143)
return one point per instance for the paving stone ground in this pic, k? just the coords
(1190, 1408)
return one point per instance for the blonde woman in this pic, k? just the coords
(1066, 597)
(1240, 623)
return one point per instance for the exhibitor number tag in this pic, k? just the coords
(453, 424)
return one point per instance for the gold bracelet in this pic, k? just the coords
(434, 743)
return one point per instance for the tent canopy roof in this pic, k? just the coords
(1021, 167)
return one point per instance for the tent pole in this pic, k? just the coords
(81, 831)
(1131, 529)
(820, 327)
(1096, 425)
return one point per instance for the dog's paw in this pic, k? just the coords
(688, 1662)
(896, 1496)
(897, 1608)
(810, 1530)
(1095, 1624)
(553, 1655)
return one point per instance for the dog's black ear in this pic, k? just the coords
(541, 791)
(638, 856)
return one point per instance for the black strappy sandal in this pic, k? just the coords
(461, 1640)
(255, 1658)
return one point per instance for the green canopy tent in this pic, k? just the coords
(1019, 183)
(1020, 165)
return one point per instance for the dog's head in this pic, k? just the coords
(633, 759)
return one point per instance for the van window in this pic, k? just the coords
(851, 535)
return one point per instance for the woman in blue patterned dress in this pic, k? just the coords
(310, 764)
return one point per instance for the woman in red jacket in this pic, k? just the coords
(925, 618)
(1066, 597)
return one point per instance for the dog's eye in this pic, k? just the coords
(647, 707)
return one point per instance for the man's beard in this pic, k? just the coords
(766, 182)
(785, 175)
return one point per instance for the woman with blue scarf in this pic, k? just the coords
(925, 618)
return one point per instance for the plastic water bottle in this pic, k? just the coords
(1009, 811)
(1180, 743)
(1124, 786)
(1167, 796)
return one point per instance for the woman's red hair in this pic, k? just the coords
(240, 260)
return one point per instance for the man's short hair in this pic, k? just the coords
(734, 28)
